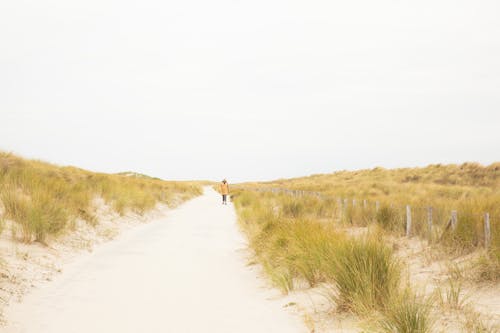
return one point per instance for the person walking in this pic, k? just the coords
(224, 190)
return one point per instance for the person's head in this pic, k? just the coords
(224, 181)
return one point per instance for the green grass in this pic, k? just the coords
(43, 199)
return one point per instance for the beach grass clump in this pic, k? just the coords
(293, 207)
(407, 312)
(387, 218)
(365, 274)
(292, 250)
(288, 247)
(312, 246)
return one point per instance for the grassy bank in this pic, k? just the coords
(295, 227)
(43, 199)
(295, 246)
(359, 198)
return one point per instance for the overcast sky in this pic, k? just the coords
(250, 90)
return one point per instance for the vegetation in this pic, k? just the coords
(408, 313)
(307, 230)
(365, 275)
(293, 245)
(43, 199)
(358, 198)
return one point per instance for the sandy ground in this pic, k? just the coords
(428, 272)
(185, 272)
(26, 266)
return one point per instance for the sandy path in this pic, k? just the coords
(185, 273)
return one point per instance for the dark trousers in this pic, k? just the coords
(224, 197)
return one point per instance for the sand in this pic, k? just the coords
(186, 272)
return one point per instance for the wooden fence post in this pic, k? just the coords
(408, 220)
(454, 220)
(487, 230)
(364, 203)
(353, 203)
(377, 206)
(429, 223)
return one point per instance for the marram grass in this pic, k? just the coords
(363, 270)
(43, 198)
(381, 196)
(407, 313)
(364, 276)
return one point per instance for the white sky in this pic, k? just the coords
(246, 90)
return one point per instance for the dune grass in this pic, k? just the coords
(407, 313)
(43, 198)
(293, 245)
(359, 198)
(296, 235)
(298, 243)
(365, 275)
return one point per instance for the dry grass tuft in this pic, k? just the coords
(365, 275)
(407, 313)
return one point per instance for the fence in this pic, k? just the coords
(429, 222)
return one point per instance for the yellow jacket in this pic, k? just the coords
(224, 188)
